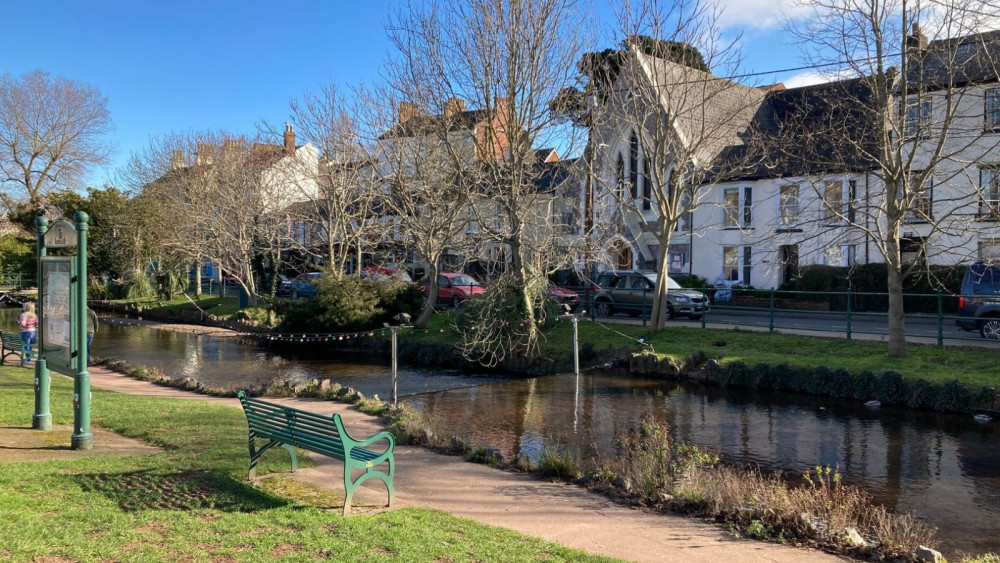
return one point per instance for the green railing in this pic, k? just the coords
(929, 318)
(16, 280)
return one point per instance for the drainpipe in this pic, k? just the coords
(868, 234)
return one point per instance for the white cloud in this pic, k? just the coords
(816, 77)
(760, 14)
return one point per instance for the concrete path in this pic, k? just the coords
(561, 513)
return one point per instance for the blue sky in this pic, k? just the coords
(183, 65)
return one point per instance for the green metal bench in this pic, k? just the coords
(293, 428)
(10, 343)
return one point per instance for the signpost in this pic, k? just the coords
(62, 308)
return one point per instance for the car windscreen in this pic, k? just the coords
(463, 280)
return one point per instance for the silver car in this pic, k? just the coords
(631, 292)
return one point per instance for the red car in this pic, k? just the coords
(566, 297)
(455, 288)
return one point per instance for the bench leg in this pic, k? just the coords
(291, 453)
(255, 454)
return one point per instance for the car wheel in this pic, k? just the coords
(455, 302)
(604, 309)
(671, 314)
(990, 328)
(694, 316)
(295, 294)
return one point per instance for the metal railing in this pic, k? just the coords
(930, 318)
(16, 280)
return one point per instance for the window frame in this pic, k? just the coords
(923, 202)
(918, 116)
(989, 207)
(737, 214)
(991, 97)
(789, 220)
(831, 217)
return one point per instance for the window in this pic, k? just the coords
(852, 200)
(831, 255)
(991, 115)
(789, 205)
(747, 266)
(989, 193)
(917, 117)
(731, 263)
(730, 207)
(647, 183)
(850, 252)
(833, 201)
(620, 178)
(921, 208)
(735, 214)
(989, 251)
(633, 165)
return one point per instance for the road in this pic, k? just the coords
(922, 329)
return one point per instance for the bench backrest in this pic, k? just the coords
(302, 429)
(11, 340)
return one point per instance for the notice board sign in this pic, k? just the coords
(57, 336)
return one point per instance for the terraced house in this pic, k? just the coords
(902, 162)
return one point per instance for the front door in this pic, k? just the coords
(789, 262)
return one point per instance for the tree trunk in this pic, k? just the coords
(432, 292)
(197, 278)
(658, 319)
(894, 279)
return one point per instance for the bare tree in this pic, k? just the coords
(670, 127)
(906, 114)
(339, 199)
(51, 132)
(509, 59)
(218, 191)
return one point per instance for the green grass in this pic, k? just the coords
(190, 501)
(973, 366)
(213, 305)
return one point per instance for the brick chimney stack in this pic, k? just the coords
(407, 111)
(453, 106)
(177, 160)
(289, 140)
(203, 155)
(916, 43)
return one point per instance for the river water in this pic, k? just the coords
(943, 468)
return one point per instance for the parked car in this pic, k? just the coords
(386, 274)
(284, 288)
(979, 304)
(566, 297)
(632, 292)
(302, 285)
(455, 288)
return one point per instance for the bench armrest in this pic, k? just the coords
(354, 442)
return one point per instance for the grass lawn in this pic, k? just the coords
(213, 305)
(190, 502)
(974, 366)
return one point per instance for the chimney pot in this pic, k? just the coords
(177, 160)
(453, 106)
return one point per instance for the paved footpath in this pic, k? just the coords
(565, 514)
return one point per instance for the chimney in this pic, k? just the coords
(203, 154)
(916, 43)
(407, 111)
(453, 106)
(289, 140)
(177, 160)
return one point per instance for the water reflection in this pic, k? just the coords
(944, 469)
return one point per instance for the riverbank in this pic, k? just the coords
(196, 434)
(929, 377)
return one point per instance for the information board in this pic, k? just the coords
(57, 335)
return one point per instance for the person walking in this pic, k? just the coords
(28, 321)
(92, 325)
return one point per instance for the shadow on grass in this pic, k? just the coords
(188, 490)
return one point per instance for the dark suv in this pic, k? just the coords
(979, 304)
(632, 292)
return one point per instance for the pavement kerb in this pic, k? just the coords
(562, 513)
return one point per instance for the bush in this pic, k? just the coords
(17, 254)
(138, 285)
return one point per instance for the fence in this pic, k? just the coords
(16, 280)
(929, 318)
